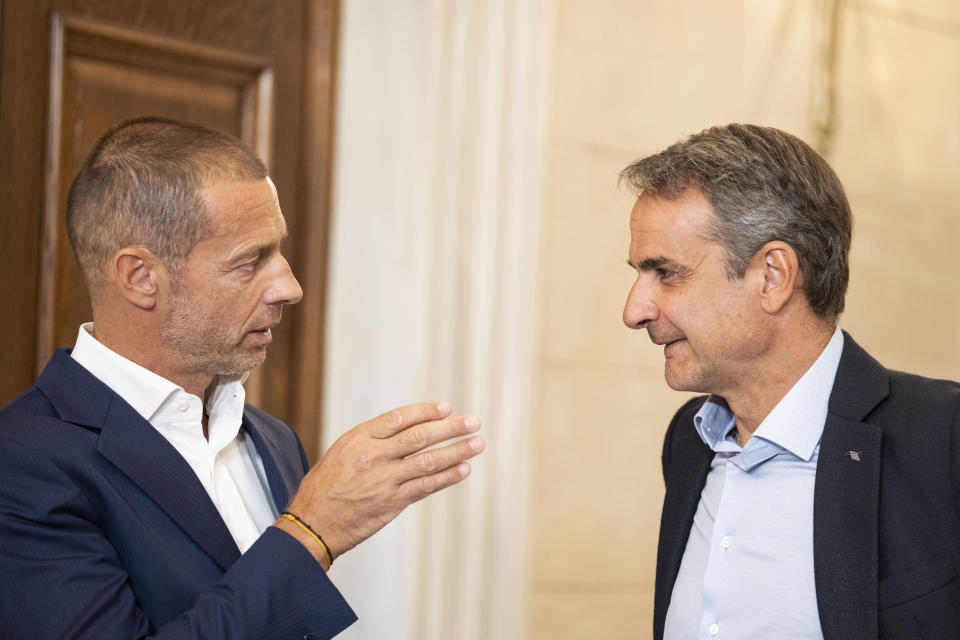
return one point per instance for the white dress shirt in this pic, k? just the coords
(747, 570)
(227, 464)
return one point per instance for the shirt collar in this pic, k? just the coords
(142, 389)
(795, 424)
(714, 423)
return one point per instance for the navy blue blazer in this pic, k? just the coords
(106, 532)
(886, 513)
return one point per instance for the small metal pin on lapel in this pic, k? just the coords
(854, 455)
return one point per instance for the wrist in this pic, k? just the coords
(310, 543)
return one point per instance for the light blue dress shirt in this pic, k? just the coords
(747, 570)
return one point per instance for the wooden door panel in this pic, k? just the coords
(232, 25)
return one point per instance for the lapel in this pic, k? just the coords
(846, 498)
(139, 451)
(687, 475)
(283, 480)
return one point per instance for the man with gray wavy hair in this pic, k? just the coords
(813, 492)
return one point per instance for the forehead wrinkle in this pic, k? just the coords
(263, 215)
(258, 244)
(700, 254)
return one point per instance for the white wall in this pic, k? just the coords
(433, 265)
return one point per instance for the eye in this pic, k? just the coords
(246, 269)
(665, 274)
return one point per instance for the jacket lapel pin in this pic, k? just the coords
(854, 455)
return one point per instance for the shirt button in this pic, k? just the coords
(714, 629)
(725, 543)
(184, 405)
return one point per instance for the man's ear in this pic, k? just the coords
(777, 261)
(138, 275)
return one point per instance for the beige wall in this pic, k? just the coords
(898, 153)
(630, 77)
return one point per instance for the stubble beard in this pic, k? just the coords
(202, 342)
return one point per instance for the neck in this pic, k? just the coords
(773, 376)
(140, 345)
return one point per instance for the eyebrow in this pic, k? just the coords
(256, 250)
(661, 262)
(249, 252)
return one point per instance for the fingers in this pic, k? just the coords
(372, 472)
(432, 462)
(420, 436)
(418, 488)
(392, 422)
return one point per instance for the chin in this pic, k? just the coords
(678, 386)
(242, 365)
(680, 381)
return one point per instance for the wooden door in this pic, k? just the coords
(69, 69)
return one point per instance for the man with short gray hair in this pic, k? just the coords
(139, 495)
(813, 493)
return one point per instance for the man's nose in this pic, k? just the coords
(641, 306)
(284, 288)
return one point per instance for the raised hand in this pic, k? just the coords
(372, 472)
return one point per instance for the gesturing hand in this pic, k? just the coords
(372, 472)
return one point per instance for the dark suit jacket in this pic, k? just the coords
(106, 532)
(886, 526)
